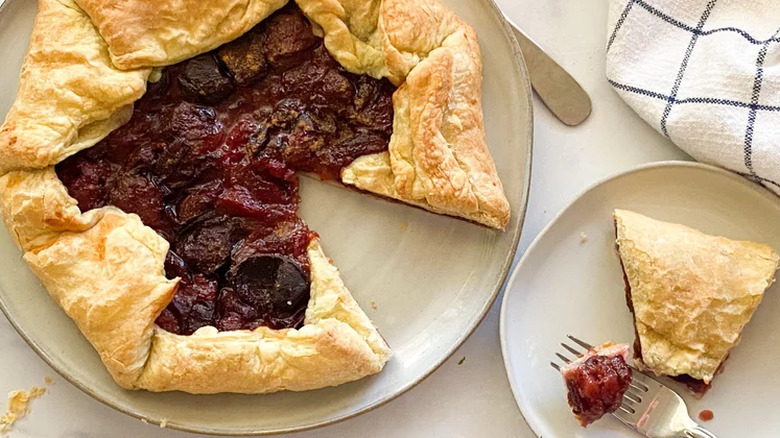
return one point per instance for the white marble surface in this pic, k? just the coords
(471, 399)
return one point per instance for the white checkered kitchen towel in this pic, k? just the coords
(706, 74)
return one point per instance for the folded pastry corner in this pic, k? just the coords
(438, 158)
(597, 381)
(691, 294)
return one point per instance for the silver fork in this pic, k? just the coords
(648, 407)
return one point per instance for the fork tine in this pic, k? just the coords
(642, 382)
(555, 365)
(627, 409)
(563, 358)
(639, 386)
(628, 395)
(571, 350)
(580, 342)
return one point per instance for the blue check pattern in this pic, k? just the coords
(662, 28)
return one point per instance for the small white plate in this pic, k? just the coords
(565, 284)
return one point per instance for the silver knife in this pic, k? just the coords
(556, 88)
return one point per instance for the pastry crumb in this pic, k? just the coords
(583, 237)
(462, 359)
(373, 304)
(18, 406)
(163, 423)
(48, 380)
(143, 420)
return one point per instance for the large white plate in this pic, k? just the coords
(565, 286)
(433, 278)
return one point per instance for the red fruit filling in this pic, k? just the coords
(596, 386)
(208, 161)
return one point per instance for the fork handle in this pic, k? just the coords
(699, 432)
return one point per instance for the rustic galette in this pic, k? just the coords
(148, 174)
(691, 295)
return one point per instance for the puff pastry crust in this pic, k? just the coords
(143, 33)
(105, 267)
(691, 293)
(70, 95)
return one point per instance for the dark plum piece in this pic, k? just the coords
(235, 314)
(206, 246)
(198, 201)
(291, 237)
(321, 85)
(287, 112)
(196, 302)
(168, 320)
(244, 58)
(193, 122)
(143, 157)
(274, 286)
(192, 307)
(194, 133)
(288, 33)
(239, 201)
(159, 89)
(373, 105)
(87, 181)
(136, 193)
(175, 266)
(202, 81)
(344, 152)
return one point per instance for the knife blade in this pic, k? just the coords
(559, 91)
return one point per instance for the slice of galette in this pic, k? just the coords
(691, 294)
(597, 381)
(149, 174)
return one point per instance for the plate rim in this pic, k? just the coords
(520, 401)
(524, 83)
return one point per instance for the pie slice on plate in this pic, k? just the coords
(691, 294)
(149, 174)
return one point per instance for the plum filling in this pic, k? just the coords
(208, 161)
(596, 386)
